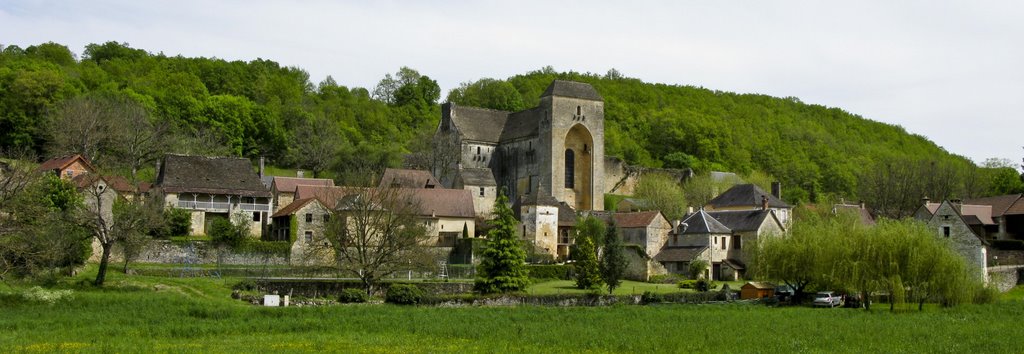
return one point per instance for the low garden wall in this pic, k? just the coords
(169, 252)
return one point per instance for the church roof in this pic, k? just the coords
(572, 89)
(522, 124)
(478, 124)
(703, 223)
(746, 195)
(477, 177)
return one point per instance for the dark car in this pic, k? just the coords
(784, 293)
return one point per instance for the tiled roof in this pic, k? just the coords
(735, 263)
(635, 219)
(405, 178)
(862, 213)
(288, 184)
(566, 215)
(679, 254)
(703, 223)
(433, 202)
(210, 175)
(572, 89)
(746, 195)
(293, 207)
(62, 162)
(1001, 205)
(117, 183)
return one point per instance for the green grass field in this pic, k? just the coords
(154, 314)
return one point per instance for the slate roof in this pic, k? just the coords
(294, 207)
(741, 220)
(477, 177)
(566, 215)
(746, 195)
(478, 124)
(734, 263)
(572, 89)
(405, 178)
(679, 254)
(58, 163)
(288, 184)
(522, 124)
(540, 197)
(1011, 204)
(703, 223)
(635, 219)
(210, 175)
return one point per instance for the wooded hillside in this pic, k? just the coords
(259, 108)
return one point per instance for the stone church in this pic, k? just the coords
(554, 150)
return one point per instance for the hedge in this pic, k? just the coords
(551, 271)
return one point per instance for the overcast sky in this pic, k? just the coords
(951, 71)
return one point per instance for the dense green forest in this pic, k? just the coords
(259, 108)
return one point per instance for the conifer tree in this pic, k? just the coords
(588, 273)
(503, 266)
(613, 260)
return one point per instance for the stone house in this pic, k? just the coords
(67, 167)
(539, 215)
(701, 236)
(556, 148)
(747, 227)
(861, 210)
(647, 229)
(951, 225)
(214, 187)
(282, 189)
(302, 222)
(480, 183)
(752, 197)
(977, 217)
(1007, 215)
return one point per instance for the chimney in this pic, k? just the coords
(777, 189)
(263, 166)
(764, 202)
(300, 173)
(863, 205)
(689, 210)
(925, 200)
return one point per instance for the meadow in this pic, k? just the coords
(159, 314)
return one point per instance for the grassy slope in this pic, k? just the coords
(197, 315)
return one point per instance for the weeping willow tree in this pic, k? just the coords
(902, 258)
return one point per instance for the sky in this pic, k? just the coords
(952, 71)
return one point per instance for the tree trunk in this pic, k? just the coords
(101, 275)
(865, 299)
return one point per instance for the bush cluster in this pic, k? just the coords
(553, 271)
(666, 278)
(651, 298)
(404, 294)
(353, 295)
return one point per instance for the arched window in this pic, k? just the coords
(570, 168)
(579, 111)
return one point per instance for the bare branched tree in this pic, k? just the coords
(138, 140)
(113, 218)
(376, 232)
(316, 145)
(81, 125)
(438, 153)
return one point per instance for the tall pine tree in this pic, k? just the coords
(503, 268)
(587, 269)
(613, 260)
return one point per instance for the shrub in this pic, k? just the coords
(40, 295)
(651, 298)
(223, 232)
(352, 295)
(986, 295)
(704, 285)
(245, 285)
(267, 247)
(560, 272)
(666, 278)
(178, 221)
(404, 294)
(687, 284)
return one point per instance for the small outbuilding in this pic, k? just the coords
(757, 290)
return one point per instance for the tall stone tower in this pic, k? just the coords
(556, 148)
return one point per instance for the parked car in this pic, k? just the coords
(827, 299)
(784, 293)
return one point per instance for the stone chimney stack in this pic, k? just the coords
(777, 189)
(764, 202)
(925, 200)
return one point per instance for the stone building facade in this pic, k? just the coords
(556, 148)
(950, 225)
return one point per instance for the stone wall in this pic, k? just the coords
(167, 252)
(1005, 278)
(622, 178)
(330, 288)
(1005, 257)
